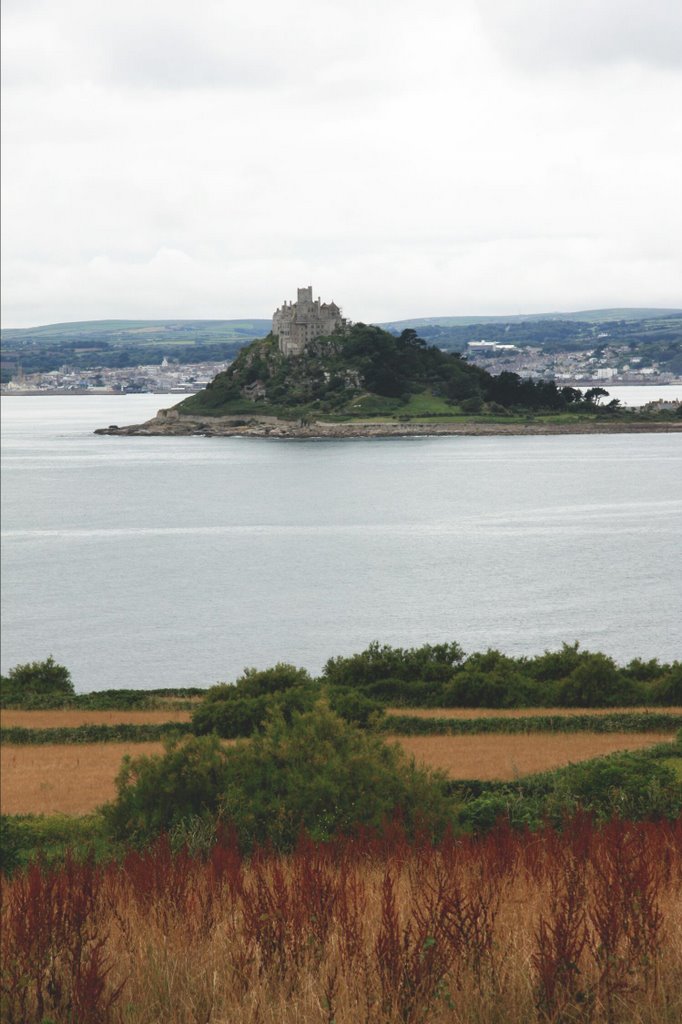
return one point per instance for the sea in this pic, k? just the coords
(164, 562)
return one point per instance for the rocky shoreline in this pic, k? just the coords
(169, 423)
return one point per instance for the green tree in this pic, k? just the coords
(36, 678)
(596, 682)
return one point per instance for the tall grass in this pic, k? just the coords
(579, 925)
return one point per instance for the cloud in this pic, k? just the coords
(157, 163)
(496, 276)
(567, 34)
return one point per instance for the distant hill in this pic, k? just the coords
(589, 316)
(130, 331)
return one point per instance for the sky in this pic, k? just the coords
(170, 160)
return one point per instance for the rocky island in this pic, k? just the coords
(318, 375)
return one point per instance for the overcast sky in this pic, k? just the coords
(168, 159)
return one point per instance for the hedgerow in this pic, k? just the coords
(120, 733)
(406, 725)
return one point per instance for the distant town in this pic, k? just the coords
(612, 364)
(164, 378)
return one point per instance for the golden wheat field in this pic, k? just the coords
(62, 778)
(72, 719)
(526, 712)
(76, 778)
(504, 757)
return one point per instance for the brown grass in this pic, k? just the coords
(525, 712)
(72, 719)
(66, 778)
(501, 756)
(367, 940)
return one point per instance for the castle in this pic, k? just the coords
(296, 323)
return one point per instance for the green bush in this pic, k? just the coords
(327, 777)
(553, 666)
(355, 707)
(316, 773)
(236, 716)
(25, 837)
(635, 786)
(238, 710)
(596, 682)
(35, 678)
(430, 663)
(157, 791)
(260, 682)
(414, 693)
(667, 690)
(490, 680)
(631, 785)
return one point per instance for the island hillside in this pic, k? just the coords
(365, 371)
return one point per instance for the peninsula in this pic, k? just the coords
(316, 374)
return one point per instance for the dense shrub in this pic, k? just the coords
(633, 786)
(354, 706)
(327, 777)
(35, 678)
(596, 682)
(667, 689)
(492, 680)
(156, 792)
(316, 773)
(240, 709)
(261, 682)
(406, 692)
(235, 716)
(430, 663)
(554, 665)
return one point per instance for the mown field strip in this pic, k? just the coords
(527, 712)
(73, 719)
(505, 757)
(75, 779)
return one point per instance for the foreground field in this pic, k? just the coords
(75, 779)
(584, 927)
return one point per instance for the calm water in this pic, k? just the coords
(177, 561)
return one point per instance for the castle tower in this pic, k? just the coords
(295, 324)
